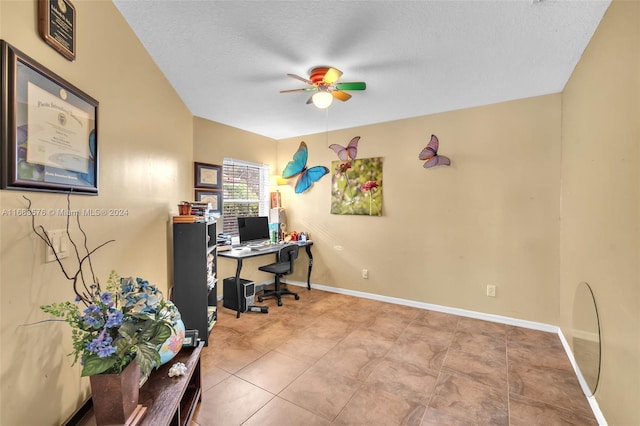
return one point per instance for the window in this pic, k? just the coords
(245, 192)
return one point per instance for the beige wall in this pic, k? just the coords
(145, 155)
(600, 232)
(446, 233)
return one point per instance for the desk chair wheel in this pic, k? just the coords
(297, 297)
(260, 299)
(279, 302)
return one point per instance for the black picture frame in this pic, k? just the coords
(213, 197)
(49, 129)
(207, 176)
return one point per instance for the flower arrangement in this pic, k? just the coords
(109, 329)
(129, 320)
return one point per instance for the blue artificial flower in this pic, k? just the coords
(144, 284)
(101, 345)
(93, 316)
(126, 284)
(114, 318)
(107, 299)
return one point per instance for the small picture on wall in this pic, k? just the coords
(356, 187)
(212, 197)
(207, 176)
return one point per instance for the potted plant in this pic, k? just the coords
(116, 331)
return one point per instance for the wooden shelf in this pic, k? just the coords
(169, 401)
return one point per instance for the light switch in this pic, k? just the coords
(60, 242)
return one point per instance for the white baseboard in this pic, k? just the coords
(477, 315)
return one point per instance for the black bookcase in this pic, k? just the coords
(194, 275)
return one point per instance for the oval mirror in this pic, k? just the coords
(586, 335)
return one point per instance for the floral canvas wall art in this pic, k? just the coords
(356, 187)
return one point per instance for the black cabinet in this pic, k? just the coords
(194, 275)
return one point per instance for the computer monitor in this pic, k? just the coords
(253, 229)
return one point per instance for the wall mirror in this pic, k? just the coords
(586, 335)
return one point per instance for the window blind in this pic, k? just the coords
(245, 188)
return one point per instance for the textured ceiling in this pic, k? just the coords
(228, 60)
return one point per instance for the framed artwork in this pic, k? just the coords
(207, 176)
(49, 129)
(213, 197)
(356, 187)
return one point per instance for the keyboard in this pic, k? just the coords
(261, 247)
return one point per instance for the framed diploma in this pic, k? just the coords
(49, 129)
(207, 176)
(57, 26)
(213, 197)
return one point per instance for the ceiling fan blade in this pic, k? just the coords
(360, 85)
(304, 80)
(310, 100)
(343, 96)
(332, 75)
(306, 89)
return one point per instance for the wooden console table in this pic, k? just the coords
(170, 401)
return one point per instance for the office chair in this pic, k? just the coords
(283, 266)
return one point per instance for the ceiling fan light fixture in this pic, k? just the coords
(322, 99)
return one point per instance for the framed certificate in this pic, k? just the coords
(213, 197)
(49, 129)
(207, 176)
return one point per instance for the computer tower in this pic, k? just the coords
(230, 294)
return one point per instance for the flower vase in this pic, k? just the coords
(173, 344)
(115, 397)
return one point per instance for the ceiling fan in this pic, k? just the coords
(324, 82)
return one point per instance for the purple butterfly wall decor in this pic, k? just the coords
(430, 153)
(346, 153)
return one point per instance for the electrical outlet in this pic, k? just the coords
(491, 291)
(365, 274)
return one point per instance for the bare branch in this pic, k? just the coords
(85, 295)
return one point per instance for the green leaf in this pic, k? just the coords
(96, 365)
(163, 332)
(147, 357)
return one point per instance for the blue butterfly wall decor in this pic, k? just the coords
(346, 153)
(430, 153)
(299, 166)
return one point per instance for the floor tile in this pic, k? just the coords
(467, 400)
(356, 361)
(435, 417)
(486, 368)
(321, 391)
(534, 383)
(404, 380)
(273, 371)
(373, 406)
(470, 341)
(235, 354)
(439, 320)
(527, 412)
(230, 402)
(279, 412)
(419, 353)
(307, 346)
